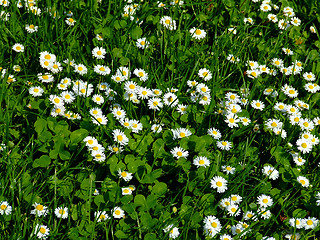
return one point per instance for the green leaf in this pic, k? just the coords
(158, 148)
(98, 200)
(151, 177)
(150, 236)
(159, 188)
(78, 135)
(299, 213)
(120, 234)
(117, 52)
(43, 161)
(140, 201)
(40, 125)
(136, 32)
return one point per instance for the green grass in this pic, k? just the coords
(45, 160)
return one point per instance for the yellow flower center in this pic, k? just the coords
(61, 211)
(3, 207)
(231, 120)
(182, 134)
(265, 200)
(120, 138)
(80, 68)
(214, 225)
(303, 182)
(167, 21)
(309, 222)
(42, 230)
(224, 143)
(102, 69)
(99, 52)
(304, 145)
(198, 32)
(117, 212)
(39, 207)
(123, 174)
(201, 162)
(219, 184)
(179, 154)
(142, 43)
(115, 149)
(291, 91)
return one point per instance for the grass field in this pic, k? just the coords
(159, 120)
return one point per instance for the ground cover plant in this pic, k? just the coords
(159, 120)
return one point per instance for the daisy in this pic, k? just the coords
(126, 191)
(120, 137)
(197, 33)
(144, 93)
(303, 181)
(212, 225)
(299, 160)
(309, 76)
(101, 216)
(56, 67)
(98, 99)
(270, 172)
(42, 231)
(141, 74)
(96, 192)
(173, 231)
(245, 121)
(296, 223)
(306, 124)
(36, 91)
(277, 62)
(70, 21)
(283, 24)
(99, 37)
(45, 78)
(304, 145)
(254, 73)
(18, 47)
(57, 111)
(179, 152)
(248, 20)
(310, 223)
(311, 87)
(228, 169)
(118, 78)
(264, 213)
(98, 52)
(156, 128)
(233, 210)
(31, 28)
(142, 43)
(102, 70)
(182, 109)
(272, 17)
(232, 120)
(61, 212)
(287, 51)
(39, 210)
(125, 175)
(256, 104)
(295, 21)
(117, 212)
(168, 23)
(264, 201)
(135, 125)
(155, 103)
(170, 99)
(180, 133)
(265, 7)
(100, 119)
(5, 208)
(312, 29)
(81, 69)
(224, 145)
(205, 74)
(248, 215)
(219, 183)
(201, 162)
(67, 97)
(232, 58)
(56, 100)
(115, 149)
